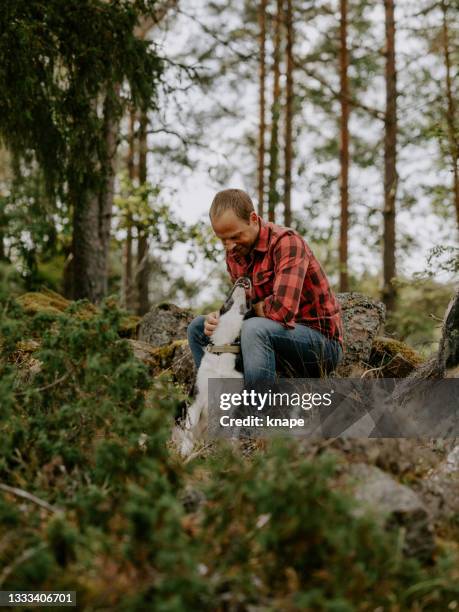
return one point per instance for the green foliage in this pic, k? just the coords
(418, 317)
(65, 64)
(86, 434)
(281, 535)
(29, 220)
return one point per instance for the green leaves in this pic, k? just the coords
(52, 85)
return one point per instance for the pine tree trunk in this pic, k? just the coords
(273, 195)
(107, 195)
(453, 132)
(344, 151)
(288, 155)
(262, 102)
(142, 245)
(92, 211)
(390, 160)
(128, 281)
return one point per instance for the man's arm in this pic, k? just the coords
(290, 265)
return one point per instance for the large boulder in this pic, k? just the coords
(163, 324)
(363, 320)
(164, 329)
(393, 505)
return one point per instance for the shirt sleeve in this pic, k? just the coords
(290, 265)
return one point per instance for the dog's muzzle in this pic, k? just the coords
(246, 283)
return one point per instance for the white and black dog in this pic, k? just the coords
(218, 361)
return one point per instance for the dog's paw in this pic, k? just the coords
(183, 440)
(187, 445)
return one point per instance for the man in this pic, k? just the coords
(298, 322)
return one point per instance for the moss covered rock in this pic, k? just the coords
(48, 301)
(392, 358)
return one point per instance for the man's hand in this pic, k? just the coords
(211, 323)
(258, 309)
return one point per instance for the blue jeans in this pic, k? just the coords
(268, 347)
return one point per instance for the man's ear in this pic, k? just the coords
(253, 217)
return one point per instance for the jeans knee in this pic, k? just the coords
(254, 330)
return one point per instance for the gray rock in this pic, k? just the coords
(440, 489)
(164, 324)
(183, 367)
(394, 506)
(363, 320)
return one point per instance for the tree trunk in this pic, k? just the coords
(128, 281)
(390, 161)
(108, 191)
(142, 245)
(288, 155)
(92, 210)
(262, 123)
(453, 133)
(448, 352)
(273, 196)
(344, 151)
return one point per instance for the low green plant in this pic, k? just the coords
(87, 437)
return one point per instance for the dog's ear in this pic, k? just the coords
(227, 305)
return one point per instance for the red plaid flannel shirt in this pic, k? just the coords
(288, 278)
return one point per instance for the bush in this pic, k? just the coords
(90, 495)
(281, 534)
(87, 434)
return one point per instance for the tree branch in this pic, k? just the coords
(30, 497)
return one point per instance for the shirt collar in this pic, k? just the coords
(263, 236)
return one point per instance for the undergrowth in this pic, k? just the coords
(92, 496)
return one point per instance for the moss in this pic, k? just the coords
(48, 301)
(129, 325)
(43, 301)
(164, 355)
(394, 358)
(28, 346)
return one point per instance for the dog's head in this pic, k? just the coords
(233, 312)
(240, 297)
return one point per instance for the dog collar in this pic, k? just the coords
(223, 348)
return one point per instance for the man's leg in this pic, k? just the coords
(266, 343)
(197, 339)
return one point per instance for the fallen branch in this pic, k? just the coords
(197, 453)
(27, 554)
(53, 384)
(30, 497)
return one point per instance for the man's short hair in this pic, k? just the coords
(232, 199)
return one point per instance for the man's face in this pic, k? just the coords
(238, 236)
